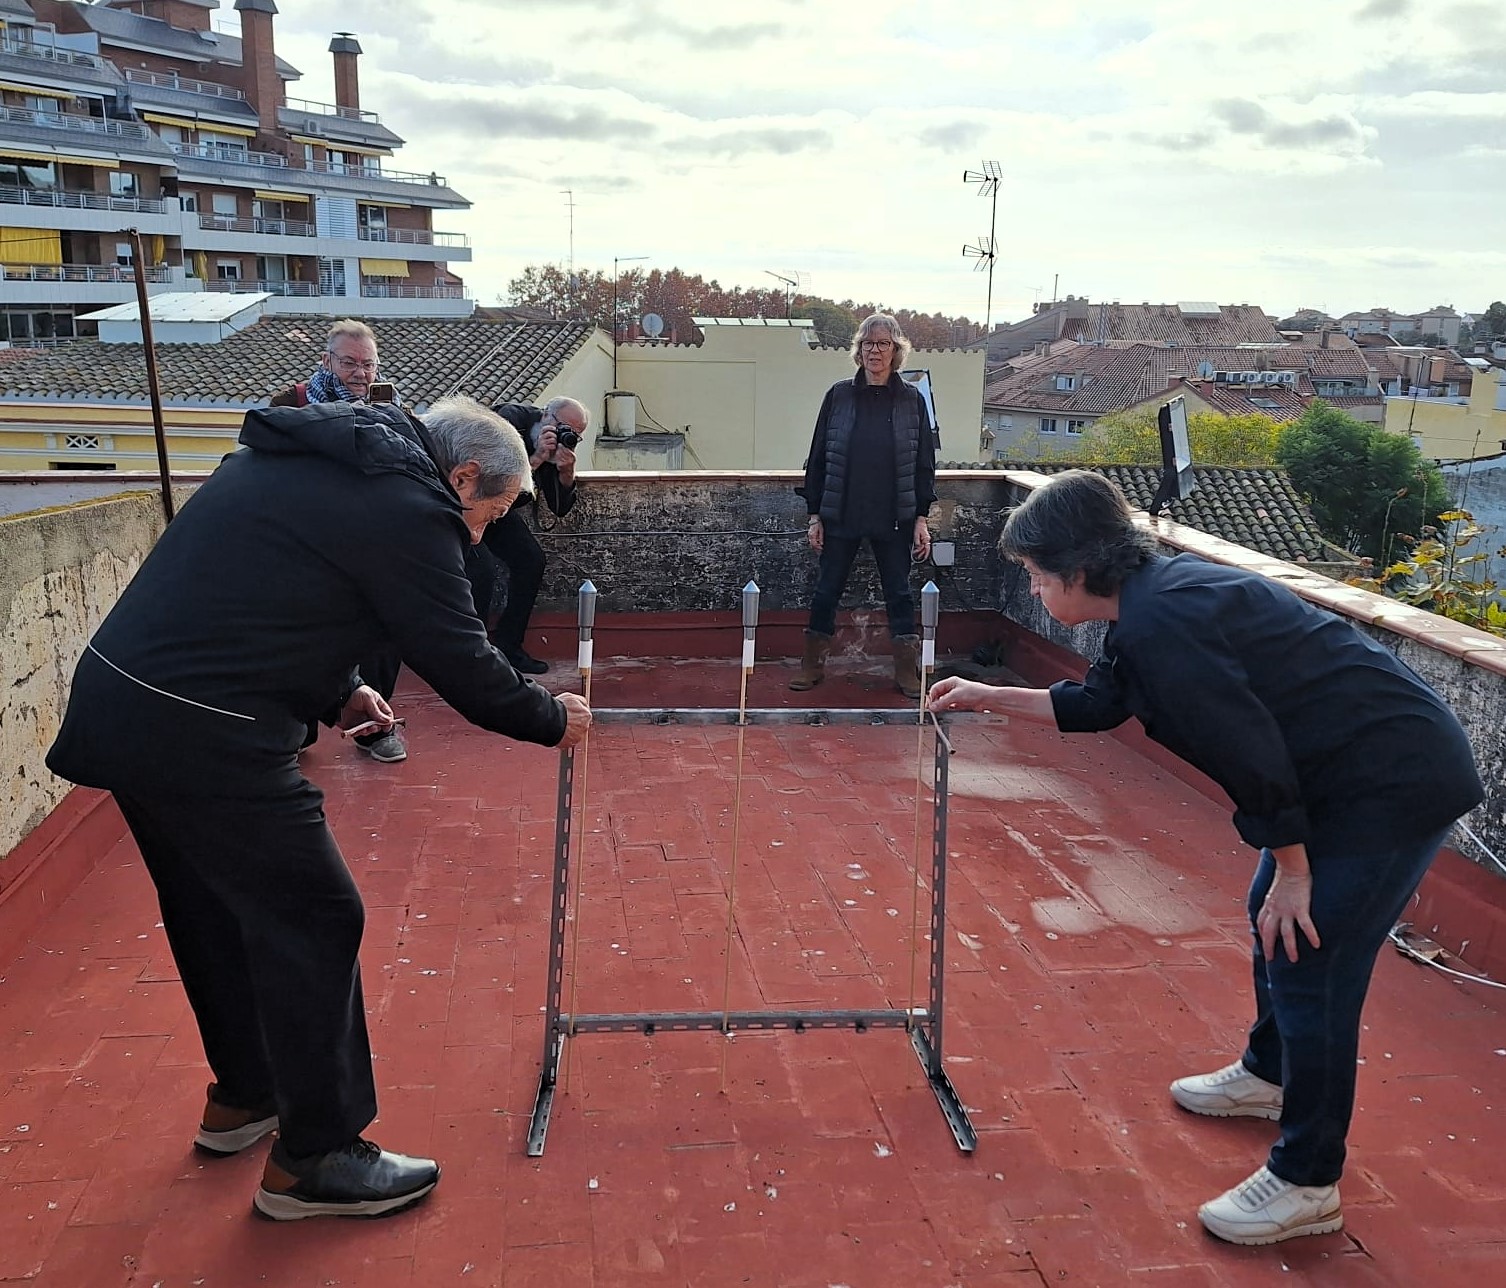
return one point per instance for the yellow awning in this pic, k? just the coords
(304, 138)
(384, 267)
(214, 127)
(336, 146)
(386, 205)
(31, 246)
(159, 119)
(99, 163)
(11, 154)
(271, 194)
(36, 89)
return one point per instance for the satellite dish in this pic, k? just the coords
(1205, 371)
(653, 325)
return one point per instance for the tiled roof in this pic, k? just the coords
(1255, 508)
(1284, 402)
(1122, 377)
(115, 25)
(1167, 324)
(426, 359)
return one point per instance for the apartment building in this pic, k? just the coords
(137, 114)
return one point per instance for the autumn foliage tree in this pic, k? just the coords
(678, 297)
(1132, 438)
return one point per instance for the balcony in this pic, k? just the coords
(78, 200)
(187, 84)
(1095, 947)
(266, 227)
(50, 53)
(332, 109)
(251, 286)
(271, 160)
(377, 289)
(70, 124)
(415, 237)
(92, 273)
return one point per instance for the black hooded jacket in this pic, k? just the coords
(335, 532)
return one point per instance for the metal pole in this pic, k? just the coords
(154, 389)
(930, 598)
(587, 619)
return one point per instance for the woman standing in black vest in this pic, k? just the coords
(870, 476)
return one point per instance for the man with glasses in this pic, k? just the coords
(346, 370)
(870, 476)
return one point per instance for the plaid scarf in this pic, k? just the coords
(324, 386)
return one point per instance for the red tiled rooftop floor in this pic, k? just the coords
(1096, 949)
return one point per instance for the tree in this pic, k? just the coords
(1466, 335)
(1365, 484)
(1132, 438)
(834, 324)
(1494, 321)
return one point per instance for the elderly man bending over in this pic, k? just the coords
(343, 526)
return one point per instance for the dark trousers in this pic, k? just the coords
(511, 539)
(1306, 1034)
(892, 556)
(265, 923)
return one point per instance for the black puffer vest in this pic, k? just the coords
(907, 430)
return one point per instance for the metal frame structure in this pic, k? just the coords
(923, 1023)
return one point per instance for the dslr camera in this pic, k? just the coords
(566, 437)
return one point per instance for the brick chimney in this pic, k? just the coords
(347, 50)
(259, 78)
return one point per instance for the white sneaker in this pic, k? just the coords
(1230, 1092)
(1266, 1209)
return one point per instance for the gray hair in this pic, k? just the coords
(554, 406)
(347, 327)
(880, 322)
(464, 431)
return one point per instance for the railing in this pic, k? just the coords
(332, 109)
(171, 80)
(67, 57)
(252, 286)
(383, 290)
(79, 200)
(77, 124)
(122, 273)
(270, 227)
(413, 237)
(237, 156)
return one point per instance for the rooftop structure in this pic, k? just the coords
(1187, 323)
(1096, 948)
(140, 115)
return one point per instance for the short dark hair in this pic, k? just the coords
(1079, 522)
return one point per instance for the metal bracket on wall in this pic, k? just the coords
(924, 1023)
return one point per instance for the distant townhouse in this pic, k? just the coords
(1441, 320)
(136, 113)
(1045, 402)
(1076, 318)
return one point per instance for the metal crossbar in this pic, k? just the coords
(924, 1023)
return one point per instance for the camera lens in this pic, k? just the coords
(567, 438)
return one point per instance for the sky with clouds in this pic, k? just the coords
(1332, 153)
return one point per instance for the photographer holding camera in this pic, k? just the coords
(551, 434)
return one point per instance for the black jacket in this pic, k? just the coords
(334, 533)
(1300, 717)
(828, 469)
(525, 418)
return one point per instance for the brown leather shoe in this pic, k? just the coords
(226, 1130)
(907, 664)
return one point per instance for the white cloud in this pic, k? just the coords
(1152, 149)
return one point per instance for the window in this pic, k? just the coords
(123, 254)
(1066, 383)
(227, 270)
(224, 204)
(81, 442)
(271, 268)
(172, 135)
(1076, 426)
(124, 184)
(1048, 424)
(373, 222)
(80, 465)
(191, 202)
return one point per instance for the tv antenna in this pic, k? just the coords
(569, 194)
(986, 249)
(791, 285)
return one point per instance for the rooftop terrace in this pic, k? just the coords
(1096, 947)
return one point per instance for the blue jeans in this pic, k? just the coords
(1306, 1033)
(891, 554)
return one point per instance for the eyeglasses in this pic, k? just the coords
(878, 346)
(355, 364)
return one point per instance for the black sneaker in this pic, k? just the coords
(524, 663)
(362, 1179)
(228, 1129)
